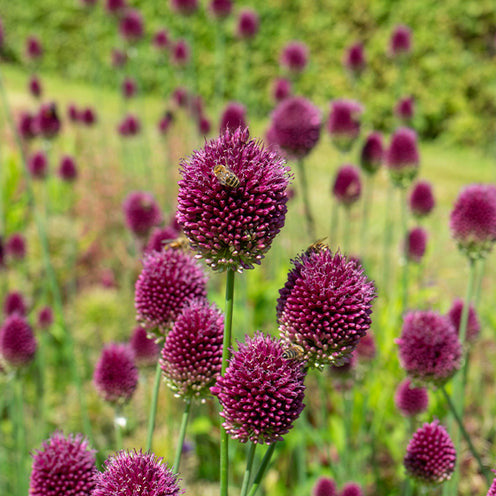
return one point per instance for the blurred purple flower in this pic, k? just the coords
(372, 153)
(180, 53)
(14, 304)
(161, 39)
(45, 317)
(344, 123)
(400, 42)
(129, 126)
(351, 489)
(410, 400)
(15, 246)
(118, 58)
(184, 7)
(402, 156)
(421, 199)
(38, 165)
(204, 125)
(354, 59)
(415, 244)
(141, 212)
(404, 109)
(17, 341)
(27, 126)
(248, 24)
(233, 117)
(128, 87)
(220, 8)
(35, 86)
(281, 89)
(67, 169)
(47, 121)
(294, 57)
(144, 347)
(73, 113)
(131, 26)
(159, 237)
(88, 116)
(165, 122)
(115, 7)
(455, 317)
(347, 185)
(34, 50)
(180, 96)
(325, 486)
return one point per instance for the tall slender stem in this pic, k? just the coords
(20, 434)
(334, 223)
(153, 407)
(182, 433)
(478, 285)
(404, 228)
(220, 55)
(388, 234)
(118, 424)
(347, 230)
(306, 200)
(248, 470)
(224, 439)
(262, 469)
(366, 205)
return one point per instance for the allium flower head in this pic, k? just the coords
(347, 185)
(38, 165)
(233, 227)
(402, 156)
(17, 341)
(180, 96)
(351, 489)
(15, 246)
(141, 212)
(455, 317)
(73, 113)
(165, 122)
(168, 281)
(35, 86)
(220, 8)
(118, 58)
(233, 117)
(128, 87)
(204, 125)
(294, 56)
(115, 7)
(88, 116)
(344, 123)
(415, 244)
(400, 42)
(410, 400)
(161, 39)
(129, 126)
(67, 169)
(159, 237)
(191, 358)
(14, 303)
(372, 153)
(261, 392)
(34, 50)
(430, 455)
(131, 25)
(296, 126)
(27, 126)
(421, 199)
(184, 7)
(180, 53)
(144, 347)
(404, 109)
(492, 489)
(354, 59)
(248, 24)
(130, 473)
(429, 348)
(116, 375)
(45, 317)
(63, 465)
(47, 121)
(325, 486)
(473, 220)
(325, 306)
(281, 89)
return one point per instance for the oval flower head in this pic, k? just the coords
(325, 306)
(232, 200)
(261, 392)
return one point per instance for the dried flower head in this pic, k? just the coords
(17, 341)
(347, 185)
(131, 25)
(325, 306)
(281, 89)
(421, 199)
(15, 246)
(294, 56)
(45, 317)
(14, 303)
(232, 200)
(400, 43)
(233, 117)
(248, 24)
(344, 123)
(430, 455)
(67, 169)
(473, 324)
(415, 244)
(354, 59)
(259, 376)
(325, 486)
(141, 212)
(410, 400)
(146, 350)
(402, 157)
(372, 153)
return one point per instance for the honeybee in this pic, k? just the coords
(293, 352)
(226, 177)
(318, 246)
(180, 243)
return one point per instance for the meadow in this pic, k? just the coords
(83, 258)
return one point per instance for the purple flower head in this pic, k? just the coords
(421, 199)
(204, 125)
(261, 392)
(118, 58)
(430, 455)
(296, 126)
(159, 237)
(248, 24)
(197, 106)
(429, 348)
(146, 350)
(45, 317)
(366, 348)
(402, 156)
(232, 226)
(180, 53)
(184, 7)
(47, 121)
(34, 50)
(116, 376)
(351, 489)
(73, 112)
(404, 109)
(129, 473)
(115, 7)
(410, 400)
(400, 43)
(141, 212)
(473, 219)
(455, 317)
(281, 89)
(161, 39)
(15, 246)
(220, 8)
(88, 116)
(325, 486)
(14, 304)
(233, 117)
(294, 57)
(492, 489)
(128, 87)
(372, 153)
(131, 26)
(354, 59)
(168, 281)
(35, 87)
(191, 358)
(63, 465)
(38, 165)
(129, 126)
(27, 126)
(344, 123)
(180, 96)
(325, 306)
(347, 185)
(67, 169)
(17, 341)
(415, 244)
(165, 122)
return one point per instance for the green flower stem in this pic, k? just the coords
(481, 265)
(220, 55)
(483, 470)
(118, 428)
(20, 434)
(366, 204)
(348, 412)
(347, 230)
(41, 377)
(388, 235)
(334, 224)
(153, 407)
(323, 400)
(182, 433)
(262, 469)
(249, 468)
(306, 200)
(226, 346)
(406, 265)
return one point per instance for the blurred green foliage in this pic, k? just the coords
(452, 72)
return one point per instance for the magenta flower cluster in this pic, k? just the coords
(402, 157)
(372, 153)
(347, 185)
(17, 342)
(294, 57)
(141, 212)
(416, 244)
(473, 324)
(344, 123)
(421, 199)
(233, 117)
(411, 400)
